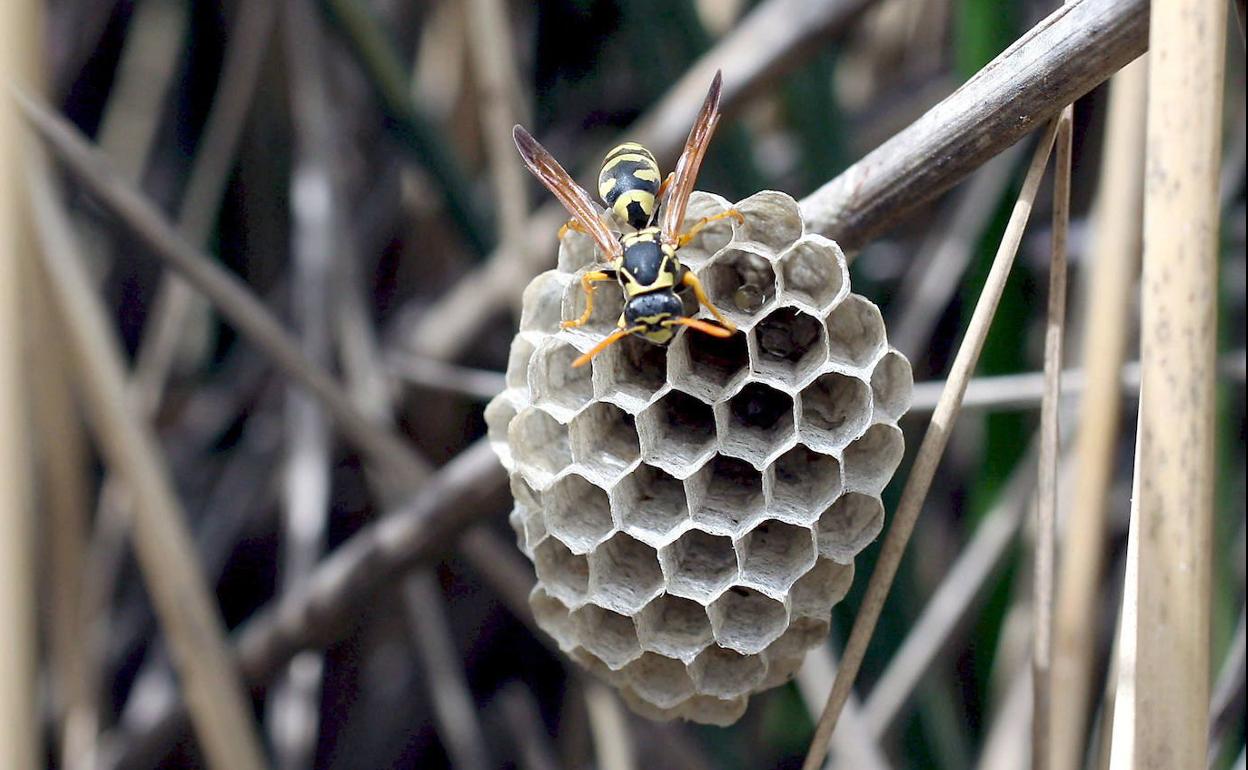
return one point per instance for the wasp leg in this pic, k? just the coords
(587, 283)
(689, 234)
(572, 224)
(691, 280)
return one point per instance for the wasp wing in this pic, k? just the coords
(570, 194)
(686, 173)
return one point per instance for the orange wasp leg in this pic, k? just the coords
(587, 284)
(692, 232)
(691, 280)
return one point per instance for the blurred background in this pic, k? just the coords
(343, 159)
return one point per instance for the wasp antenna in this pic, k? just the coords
(613, 338)
(704, 327)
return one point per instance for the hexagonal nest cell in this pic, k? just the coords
(813, 273)
(693, 512)
(604, 441)
(757, 423)
(789, 346)
(650, 504)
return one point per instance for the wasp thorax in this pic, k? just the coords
(693, 511)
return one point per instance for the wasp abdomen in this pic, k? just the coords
(629, 183)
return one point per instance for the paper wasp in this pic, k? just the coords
(644, 261)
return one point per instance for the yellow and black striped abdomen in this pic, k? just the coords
(629, 183)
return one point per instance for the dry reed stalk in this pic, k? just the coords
(613, 743)
(63, 490)
(928, 457)
(19, 731)
(1115, 249)
(1120, 694)
(190, 619)
(1050, 448)
(1178, 348)
(498, 87)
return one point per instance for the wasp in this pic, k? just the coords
(644, 261)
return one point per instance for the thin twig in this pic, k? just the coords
(1178, 346)
(524, 724)
(937, 270)
(136, 101)
(452, 702)
(1116, 244)
(294, 702)
(855, 747)
(927, 459)
(1050, 447)
(1226, 704)
(951, 600)
(188, 611)
(432, 373)
(1059, 60)
(384, 449)
(613, 744)
(498, 88)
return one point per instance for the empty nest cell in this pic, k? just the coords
(604, 440)
(650, 504)
(553, 617)
(630, 372)
(540, 443)
(741, 283)
(870, 460)
(624, 574)
(789, 346)
(710, 710)
(813, 273)
(724, 493)
(542, 308)
(659, 680)
(726, 673)
(775, 554)
(848, 525)
(711, 238)
(608, 304)
(518, 362)
(677, 432)
(699, 565)
(578, 513)
(565, 575)
(610, 636)
(556, 384)
(855, 332)
(771, 218)
(674, 626)
(835, 408)
(757, 423)
(804, 481)
(746, 620)
(815, 593)
(892, 385)
(706, 365)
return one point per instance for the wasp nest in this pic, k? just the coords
(693, 512)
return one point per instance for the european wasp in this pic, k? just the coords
(642, 261)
